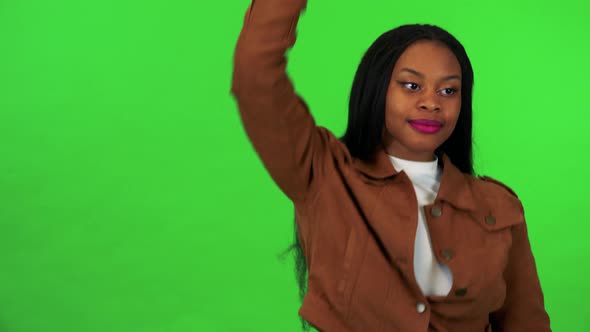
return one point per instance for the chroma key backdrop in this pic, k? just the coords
(132, 200)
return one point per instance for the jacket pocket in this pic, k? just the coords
(351, 249)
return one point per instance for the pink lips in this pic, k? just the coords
(426, 126)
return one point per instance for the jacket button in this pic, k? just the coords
(436, 211)
(490, 220)
(447, 254)
(420, 307)
(461, 292)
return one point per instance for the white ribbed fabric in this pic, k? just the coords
(433, 277)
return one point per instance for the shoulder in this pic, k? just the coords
(493, 184)
(498, 199)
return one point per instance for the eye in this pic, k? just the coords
(448, 91)
(410, 86)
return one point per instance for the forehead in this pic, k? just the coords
(431, 58)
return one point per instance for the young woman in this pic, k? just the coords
(396, 232)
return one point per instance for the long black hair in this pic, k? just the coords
(366, 113)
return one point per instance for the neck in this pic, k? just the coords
(412, 156)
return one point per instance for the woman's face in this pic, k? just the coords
(423, 101)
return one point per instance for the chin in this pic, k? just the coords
(421, 148)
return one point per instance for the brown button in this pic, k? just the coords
(436, 211)
(447, 253)
(461, 292)
(490, 220)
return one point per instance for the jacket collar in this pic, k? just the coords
(455, 187)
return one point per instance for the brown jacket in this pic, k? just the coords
(358, 219)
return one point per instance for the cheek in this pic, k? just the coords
(453, 117)
(394, 119)
(396, 107)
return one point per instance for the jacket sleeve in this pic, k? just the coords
(523, 308)
(275, 118)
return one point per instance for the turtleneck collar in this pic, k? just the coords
(416, 168)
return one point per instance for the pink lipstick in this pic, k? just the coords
(426, 126)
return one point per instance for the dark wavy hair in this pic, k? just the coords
(366, 113)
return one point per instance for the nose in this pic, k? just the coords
(429, 103)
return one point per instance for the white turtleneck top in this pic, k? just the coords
(433, 277)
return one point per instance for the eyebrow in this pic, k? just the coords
(419, 74)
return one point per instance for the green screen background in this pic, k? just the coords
(131, 199)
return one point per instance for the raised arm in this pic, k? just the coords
(275, 118)
(524, 308)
